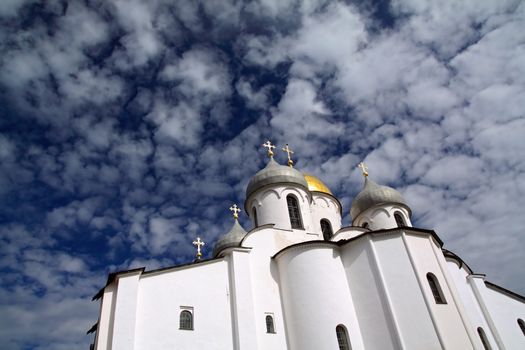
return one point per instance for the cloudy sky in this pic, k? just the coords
(127, 128)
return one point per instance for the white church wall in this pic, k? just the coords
(243, 307)
(468, 299)
(447, 319)
(348, 233)
(201, 288)
(104, 336)
(371, 309)
(265, 282)
(504, 311)
(403, 292)
(325, 207)
(316, 298)
(125, 312)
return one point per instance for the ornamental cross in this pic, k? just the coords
(289, 152)
(269, 145)
(363, 168)
(235, 210)
(198, 243)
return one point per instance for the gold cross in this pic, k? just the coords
(235, 209)
(363, 168)
(199, 244)
(269, 145)
(289, 152)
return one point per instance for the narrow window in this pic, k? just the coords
(326, 228)
(522, 325)
(342, 338)
(399, 220)
(435, 288)
(186, 320)
(255, 221)
(483, 338)
(294, 212)
(269, 324)
(365, 225)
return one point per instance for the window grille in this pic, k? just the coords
(435, 288)
(269, 324)
(294, 212)
(484, 339)
(186, 320)
(255, 220)
(522, 325)
(399, 220)
(326, 228)
(342, 338)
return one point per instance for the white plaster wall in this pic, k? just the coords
(205, 288)
(410, 315)
(382, 217)
(370, 306)
(447, 318)
(325, 207)
(243, 313)
(265, 282)
(272, 207)
(470, 303)
(125, 312)
(104, 336)
(387, 297)
(316, 298)
(505, 311)
(348, 233)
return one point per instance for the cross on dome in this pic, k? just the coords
(363, 168)
(269, 145)
(289, 152)
(198, 243)
(235, 210)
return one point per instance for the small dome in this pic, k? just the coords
(231, 239)
(316, 185)
(275, 173)
(373, 194)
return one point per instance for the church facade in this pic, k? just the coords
(298, 280)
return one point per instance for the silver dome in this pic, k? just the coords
(275, 173)
(373, 194)
(231, 239)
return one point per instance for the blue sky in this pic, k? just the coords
(127, 128)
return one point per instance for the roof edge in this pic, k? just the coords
(346, 241)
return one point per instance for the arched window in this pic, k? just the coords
(255, 221)
(342, 338)
(436, 289)
(186, 320)
(365, 225)
(326, 228)
(522, 325)
(483, 338)
(294, 212)
(399, 219)
(269, 324)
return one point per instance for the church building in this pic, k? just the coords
(299, 280)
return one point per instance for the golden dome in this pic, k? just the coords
(314, 184)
